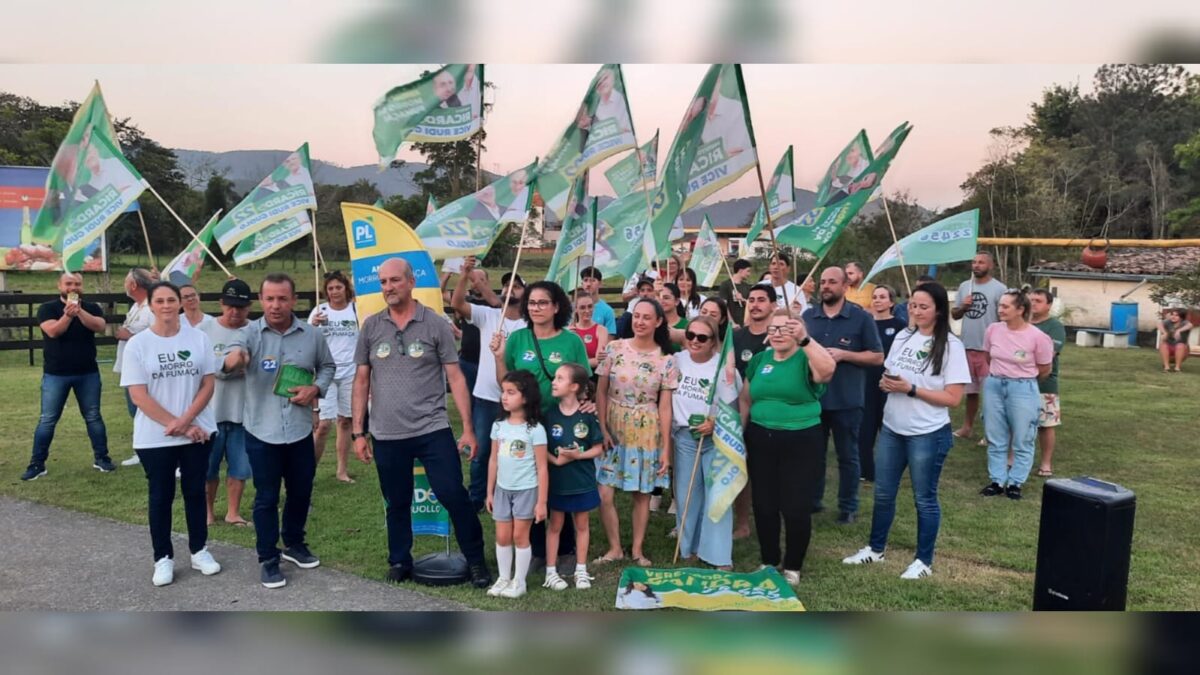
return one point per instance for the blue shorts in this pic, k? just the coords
(229, 443)
(580, 503)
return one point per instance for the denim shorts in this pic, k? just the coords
(229, 443)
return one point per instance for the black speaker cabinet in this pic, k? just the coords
(1083, 545)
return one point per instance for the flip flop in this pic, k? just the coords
(238, 523)
(642, 561)
(958, 434)
(1044, 473)
(604, 560)
(347, 481)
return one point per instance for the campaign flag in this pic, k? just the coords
(948, 240)
(850, 164)
(619, 236)
(22, 192)
(286, 191)
(624, 176)
(706, 590)
(706, 255)
(269, 240)
(817, 229)
(378, 203)
(106, 184)
(469, 225)
(727, 475)
(442, 107)
(602, 127)
(374, 236)
(185, 267)
(574, 241)
(430, 206)
(428, 514)
(781, 197)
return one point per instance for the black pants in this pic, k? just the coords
(159, 465)
(784, 468)
(439, 456)
(293, 465)
(872, 421)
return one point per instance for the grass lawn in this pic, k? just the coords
(1125, 421)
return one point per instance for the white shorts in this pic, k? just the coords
(336, 402)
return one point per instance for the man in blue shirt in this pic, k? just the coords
(589, 281)
(849, 333)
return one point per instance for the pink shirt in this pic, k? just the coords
(1017, 353)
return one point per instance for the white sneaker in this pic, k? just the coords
(132, 461)
(671, 508)
(917, 570)
(514, 590)
(202, 560)
(655, 502)
(164, 572)
(792, 577)
(499, 587)
(583, 580)
(555, 582)
(865, 555)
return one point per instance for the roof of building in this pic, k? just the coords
(1133, 262)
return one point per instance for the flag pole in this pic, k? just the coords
(637, 149)
(146, 234)
(815, 266)
(189, 231)
(762, 188)
(899, 253)
(316, 258)
(687, 502)
(516, 261)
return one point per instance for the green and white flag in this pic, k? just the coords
(185, 267)
(469, 225)
(727, 475)
(90, 120)
(781, 197)
(624, 176)
(851, 163)
(602, 127)
(430, 206)
(105, 185)
(706, 256)
(620, 233)
(442, 107)
(286, 191)
(948, 240)
(817, 229)
(378, 203)
(574, 241)
(707, 590)
(269, 240)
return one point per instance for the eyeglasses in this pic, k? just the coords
(540, 304)
(777, 330)
(698, 337)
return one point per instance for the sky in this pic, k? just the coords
(817, 108)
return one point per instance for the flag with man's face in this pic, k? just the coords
(185, 267)
(574, 241)
(105, 185)
(627, 176)
(442, 107)
(851, 163)
(469, 225)
(286, 191)
(780, 197)
(706, 256)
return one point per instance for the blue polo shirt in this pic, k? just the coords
(851, 329)
(603, 314)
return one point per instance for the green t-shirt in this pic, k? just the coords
(1058, 335)
(521, 353)
(782, 393)
(581, 430)
(681, 324)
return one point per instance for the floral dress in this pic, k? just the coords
(635, 379)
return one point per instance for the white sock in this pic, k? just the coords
(504, 560)
(580, 569)
(551, 569)
(524, 555)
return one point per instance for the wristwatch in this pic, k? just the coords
(356, 436)
(804, 343)
(912, 393)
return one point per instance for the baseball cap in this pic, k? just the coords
(509, 275)
(235, 293)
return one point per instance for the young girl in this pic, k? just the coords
(574, 441)
(518, 482)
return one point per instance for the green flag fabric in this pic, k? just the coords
(851, 163)
(286, 191)
(185, 267)
(706, 590)
(948, 240)
(105, 185)
(817, 229)
(781, 197)
(624, 176)
(430, 206)
(727, 476)
(574, 241)
(469, 225)
(706, 256)
(272, 238)
(602, 127)
(442, 107)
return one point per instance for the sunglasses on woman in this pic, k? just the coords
(698, 337)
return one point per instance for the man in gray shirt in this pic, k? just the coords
(228, 336)
(405, 357)
(978, 300)
(279, 440)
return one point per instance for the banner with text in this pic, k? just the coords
(442, 107)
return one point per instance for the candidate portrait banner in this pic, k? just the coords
(706, 590)
(780, 197)
(625, 177)
(469, 225)
(706, 255)
(948, 240)
(106, 184)
(574, 240)
(22, 192)
(267, 241)
(374, 236)
(185, 267)
(442, 107)
(286, 191)
(851, 163)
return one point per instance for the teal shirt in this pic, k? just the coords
(782, 393)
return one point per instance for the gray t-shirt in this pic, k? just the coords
(985, 300)
(229, 397)
(408, 382)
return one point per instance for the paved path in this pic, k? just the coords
(54, 559)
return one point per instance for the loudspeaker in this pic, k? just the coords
(1084, 543)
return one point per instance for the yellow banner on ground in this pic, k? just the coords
(374, 236)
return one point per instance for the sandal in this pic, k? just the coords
(605, 559)
(1045, 473)
(642, 561)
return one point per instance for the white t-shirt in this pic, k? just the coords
(693, 312)
(205, 321)
(691, 398)
(516, 462)
(487, 320)
(793, 295)
(172, 368)
(341, 334)
(908, 415)
(137, 320)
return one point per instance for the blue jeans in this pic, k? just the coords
(439, 455)
(924, 456)
(293, 465)
(699, 535)
(483, 414)
(843, 425)
(1010, 413)
(159, 465)
(55, 389)
(470, 371)
(229, 444)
